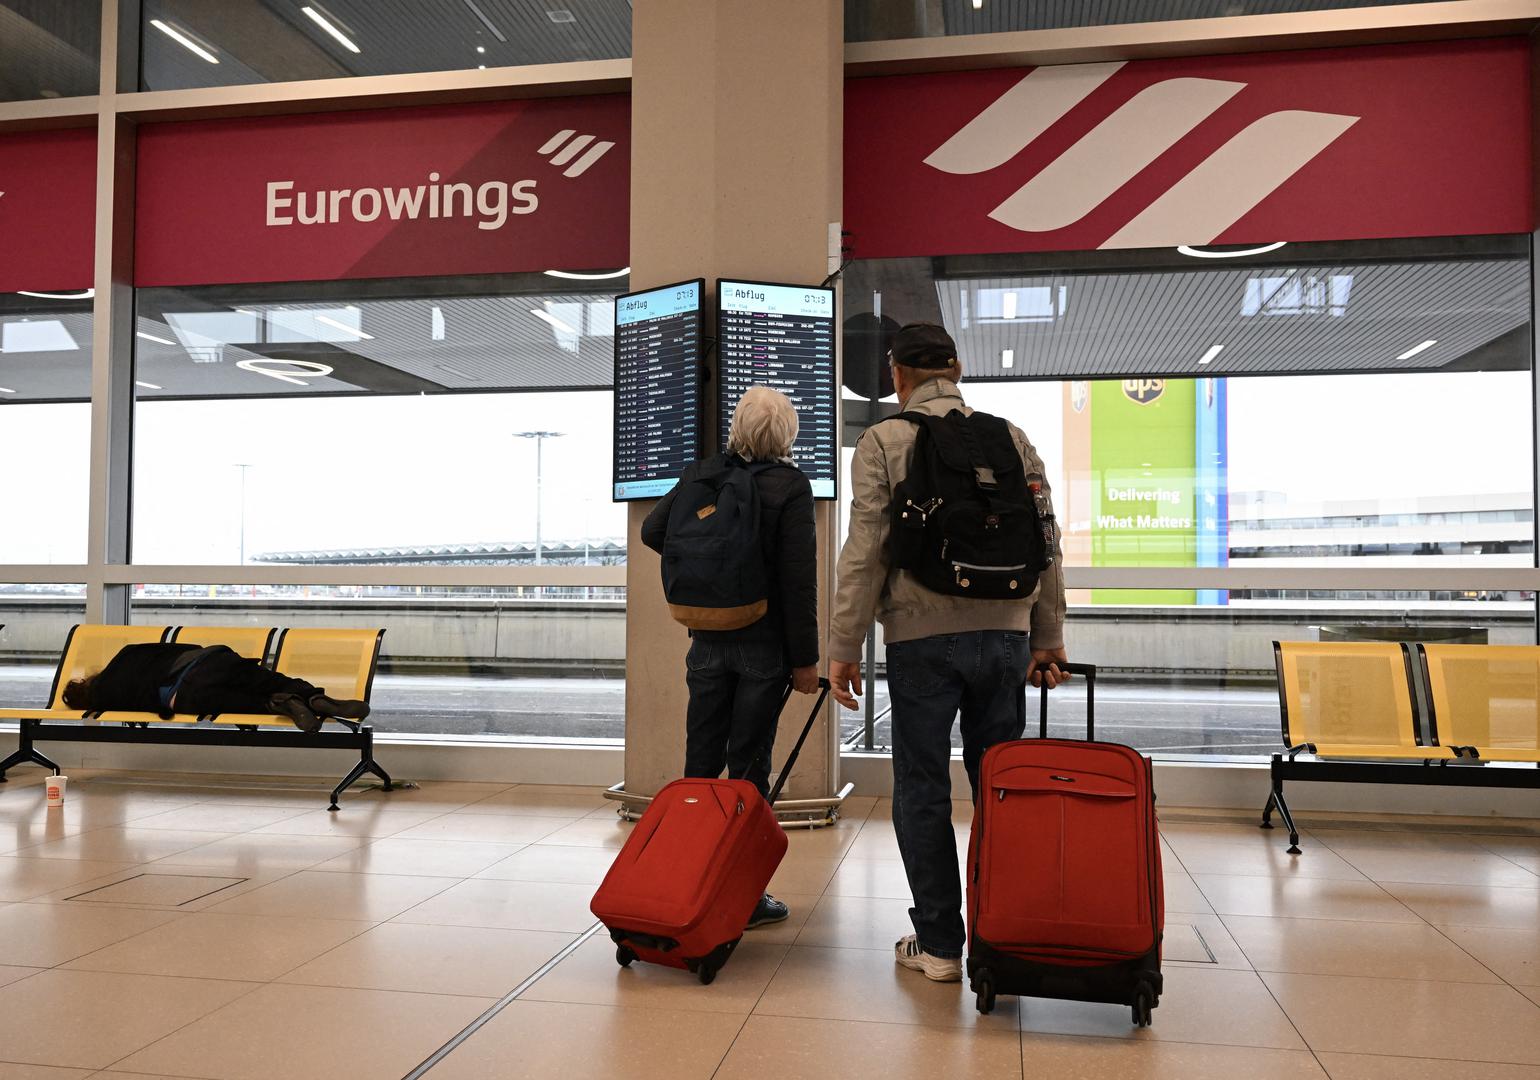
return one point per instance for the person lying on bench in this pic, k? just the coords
(167, 678)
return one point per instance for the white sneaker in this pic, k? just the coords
(908, 953)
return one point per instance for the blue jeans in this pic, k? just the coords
(735, 701)
(981, 674)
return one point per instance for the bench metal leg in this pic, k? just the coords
(27, 753)
(1276, 800)
(366, 764)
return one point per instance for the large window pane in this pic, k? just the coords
(49, 48)
(189, 44)
(34, 620)
(461, 662)
(45, 426)
(364, 423)
(880, 20)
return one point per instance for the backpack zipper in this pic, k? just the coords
(974, 566)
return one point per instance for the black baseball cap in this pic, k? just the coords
(923, 345)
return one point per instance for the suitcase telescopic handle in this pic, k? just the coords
(812, 718)
(1088, 671)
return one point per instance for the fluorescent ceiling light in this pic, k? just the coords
(978, 5)
(310, 370)
(1415, 349)
(438, 324)
(481, 48)
(83, 294)
(1208, 357)
(1198, 253)
(157, 340)
(148, 385)
(1007, 357)
(1008, 305)
(6, 390)
(344, 327)
(42, 335)
(553, 320)
(321, 21)
(604, 275)
(183, 40)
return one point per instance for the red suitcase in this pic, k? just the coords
(692, 871)
(1065, 896)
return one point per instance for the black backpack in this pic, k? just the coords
(967, 520)
(714, 575)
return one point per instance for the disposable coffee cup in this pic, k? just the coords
(55, 788)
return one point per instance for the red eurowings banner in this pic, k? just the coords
(465, 189)
(47, 210)
(1331, 144)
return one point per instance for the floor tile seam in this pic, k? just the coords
(751, 1011)
(973, 1030)
(1442, 932)
(1300, 1035)
(1392, 897)
(1418, 921)
(109, 905)
(113, 1066)
(442, 1052)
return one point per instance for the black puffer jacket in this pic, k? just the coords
(790, 544)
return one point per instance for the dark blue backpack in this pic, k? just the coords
(714, 575)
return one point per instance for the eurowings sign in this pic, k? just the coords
(1386, 141)
(489, 188)
(47, 210)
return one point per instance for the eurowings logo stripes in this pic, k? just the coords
(565, 151)
(1197, 209)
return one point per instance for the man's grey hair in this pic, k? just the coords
(764, 425)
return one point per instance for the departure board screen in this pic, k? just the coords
(782, 336)
(657, 387)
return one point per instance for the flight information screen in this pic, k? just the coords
(657, 387)
(782, 336)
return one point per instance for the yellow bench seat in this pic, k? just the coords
(1359, 751)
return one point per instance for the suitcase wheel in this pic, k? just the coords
(1144, 1005)
(706, 973)
(624, 955)
(984, 987)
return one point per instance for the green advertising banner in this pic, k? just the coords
(1143, 513)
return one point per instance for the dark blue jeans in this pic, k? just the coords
(981, 675)
(735, 701)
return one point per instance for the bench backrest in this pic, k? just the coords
(1345, 693)
(341, 662)
(1484, 695)
(88, 648)
(251, 642)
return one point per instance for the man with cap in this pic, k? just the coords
(945, 654)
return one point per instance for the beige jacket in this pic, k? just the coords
(868, 588)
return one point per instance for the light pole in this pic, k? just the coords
(243, 466)
(540, 437)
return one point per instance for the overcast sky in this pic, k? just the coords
(399, 471)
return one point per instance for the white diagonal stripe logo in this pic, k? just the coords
(1233, 180)
(1019, 116)
(565, 151)
(1113, 153)
(1197, 209)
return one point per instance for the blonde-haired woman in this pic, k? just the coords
(736, 677)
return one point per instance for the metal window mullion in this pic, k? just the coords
(112, 339)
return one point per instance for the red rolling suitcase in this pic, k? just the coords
(1065, 897)
(690, 875)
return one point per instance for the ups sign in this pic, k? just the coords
(1144, 391)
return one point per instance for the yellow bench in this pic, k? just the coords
(1349, 715)
(342, 661)
(1484, 700)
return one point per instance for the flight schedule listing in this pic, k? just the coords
(782, 336)
(657, 395)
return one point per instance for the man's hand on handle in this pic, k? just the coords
(1045, 665)
(804, 680)
(845, 682)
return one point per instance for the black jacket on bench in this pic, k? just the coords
(219, 681)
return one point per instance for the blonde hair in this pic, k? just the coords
(764, 425)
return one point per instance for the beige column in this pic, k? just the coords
(736, 118)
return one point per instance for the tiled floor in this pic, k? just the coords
(234, 934)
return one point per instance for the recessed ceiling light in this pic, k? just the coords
(1007, 357)
(1208, 357)
(1008, 305)
(553, 320)
(83, 294)
(601, 275)
(481, 48)
(344, 327)
(183, 40)
(1415, 349)
(325, 24)
(1199, 253)
(561, 16)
